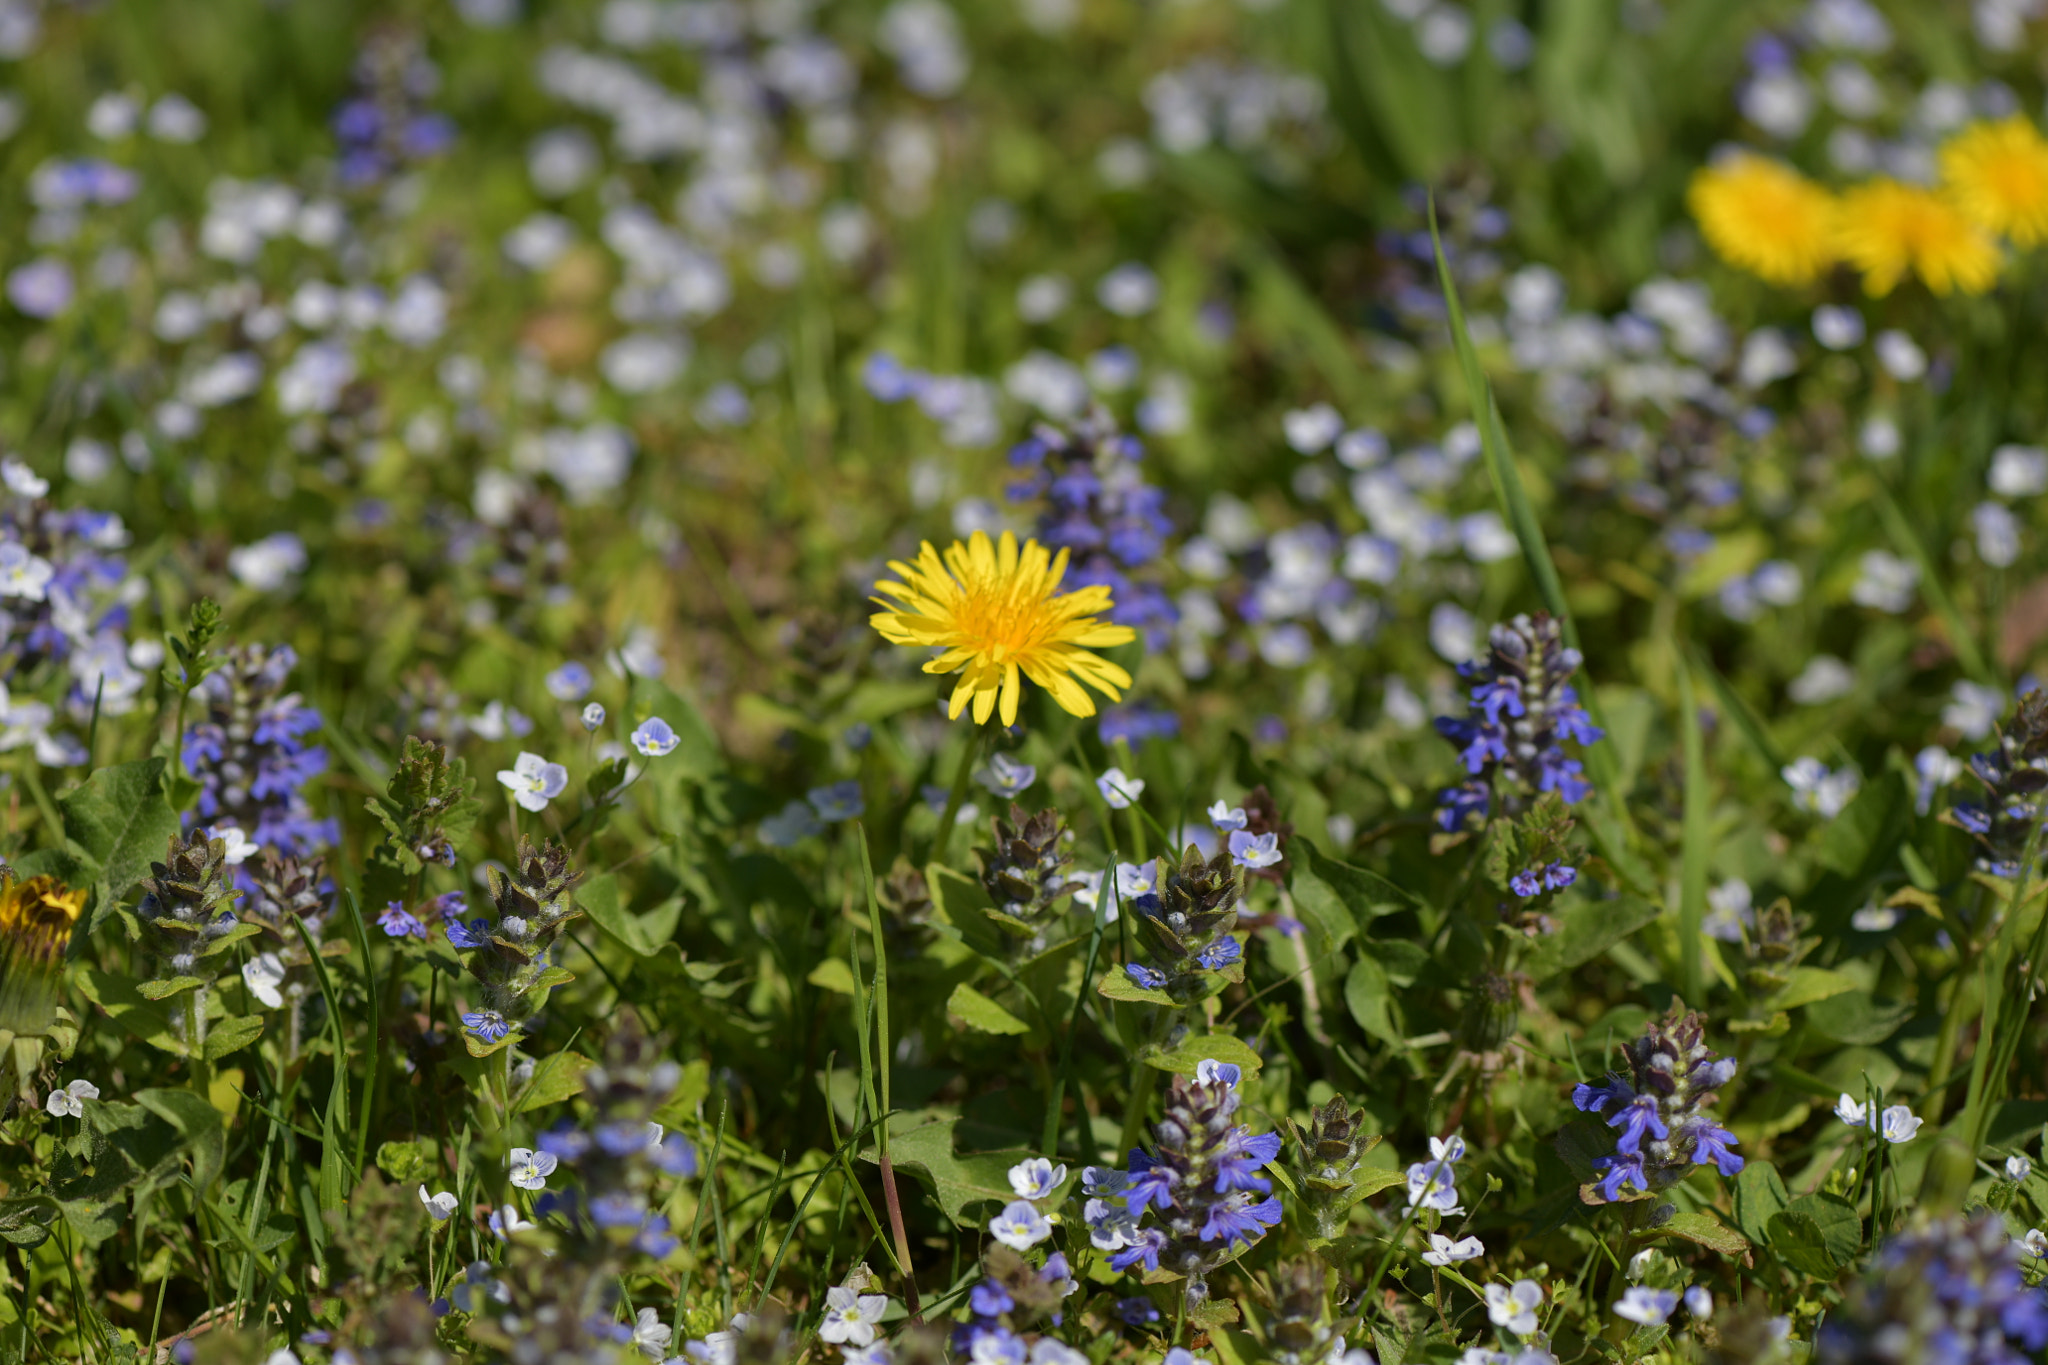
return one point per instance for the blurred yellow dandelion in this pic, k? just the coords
(1997, 173)
(997, 612)
(1889, 228)
(1764, 217)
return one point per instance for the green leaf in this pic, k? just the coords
(140, 1016)
(1337, 898)
(599, 899)
(1817, 1234)
(1759, 1196)
(980, 1012)
(1867, 830)
(1589, 929)
(1809, 984)
(1197, 1048)
(120, 818)
(1116, 984)
(1696, 840)
(833, 975)
(1706, 1231)
(697, 754)
(232, 1035)
(1369, 998)
(26, 1222)
(956, 1180)
(556, 1077)
(1856, 1017)
(164, 990)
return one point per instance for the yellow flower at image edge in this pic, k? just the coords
(999, 615)
(1764, 217)
(1998, 175)
(36, 920)
(1889, 228)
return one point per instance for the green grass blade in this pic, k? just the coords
(1696, 842)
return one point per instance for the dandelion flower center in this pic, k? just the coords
(1764, 217)
(996, 613)
(1998, 175)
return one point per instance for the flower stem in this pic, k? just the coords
(955, 797)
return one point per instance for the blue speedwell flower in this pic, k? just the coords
(654, 738)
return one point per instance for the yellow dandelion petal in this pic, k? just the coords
(1889, 228)
(994, 608)
(1997, 174)
(1762, 216)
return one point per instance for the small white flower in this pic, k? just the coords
(1699, 1302)
(21, 480)
(263, 974)
(23, 574)
(507, 1224)
(1447, 1149)
(651, 1335)
(2035, 1242)
(1209, 1071)
(533, 781)
(1444, 1251)
(65, 1103)
(439, 1206)
(1036, 1178)
(1850, 1112)
(1119, 790)
(238, 846)
(531, 1169)
(2018, 1167)
(1019, 1226)
(852, 1317)
(1514, 1306)
(1226, 817)
(1900, 1124)
(1648, 1306)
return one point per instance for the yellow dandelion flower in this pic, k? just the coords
(998, 613)
(36, 920)
(1889, 228)
(1998, 176)
(1762, 216)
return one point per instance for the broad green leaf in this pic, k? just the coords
(958, 1181)
(1197, 1048)
(1116, 984)
(833, 975)
(1858, 1018)
(1759, 1196)
(1369, 998)
(166, 988)
(1337, 898)
(144, 1018)
(556, 1077)
(1817, 1234)
(120, 819)
(232, 1035)
(697, 754)
(1706, 1231)
(980, 1012)
(1589, 929)
(599, 899)
(1809, 984)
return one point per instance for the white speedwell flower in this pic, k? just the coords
(65, 1103)
(1036, 1178)
(1514, 1306)
(1019, 1226)
(1444, 1251)
(533, 781)
(531, 1169)
(439, 1206)
(850, 1316)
